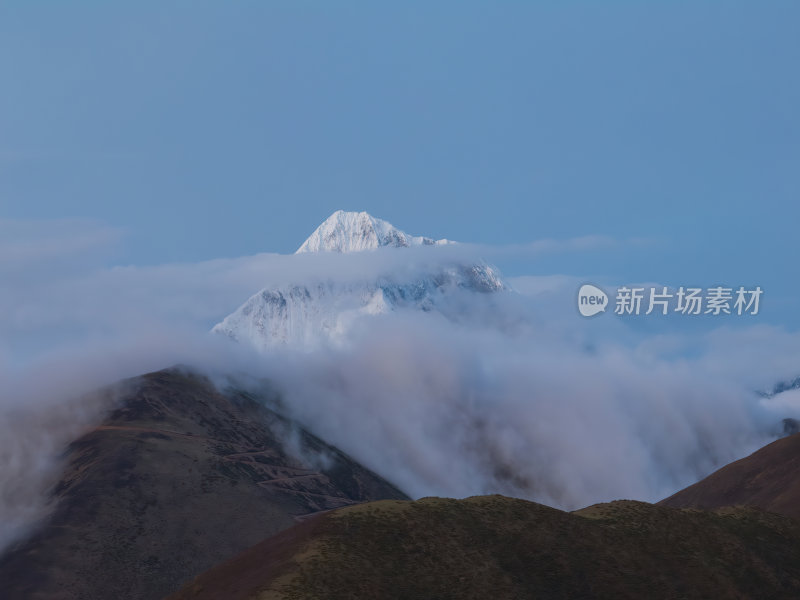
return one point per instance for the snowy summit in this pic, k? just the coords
(307, 314)
(356, 231)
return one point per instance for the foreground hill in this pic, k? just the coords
(503, 548)
(769, 479)
(178, 478)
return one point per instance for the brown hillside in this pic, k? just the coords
(177, 479)
(769, 479)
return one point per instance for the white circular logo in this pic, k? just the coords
(591, 300)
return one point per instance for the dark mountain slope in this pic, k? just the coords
(769, 479)
(178, 478)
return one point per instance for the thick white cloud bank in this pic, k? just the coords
(518, 395)
(444, 409)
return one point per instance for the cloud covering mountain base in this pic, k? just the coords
(500, 393)
(444, 410)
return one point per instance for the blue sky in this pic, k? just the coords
(150, 152)
(205, 130)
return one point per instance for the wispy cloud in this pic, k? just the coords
(543, 247)
(50, 244)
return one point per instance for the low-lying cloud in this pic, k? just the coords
(446, 410)
(518, 395)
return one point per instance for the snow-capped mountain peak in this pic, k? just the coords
(355, 231)
(307, 313)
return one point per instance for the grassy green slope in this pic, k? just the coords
(496, 547)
